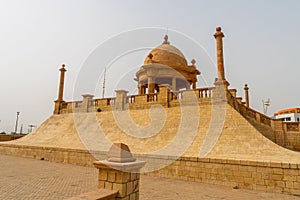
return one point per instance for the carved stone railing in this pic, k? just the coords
(265, 119)
(204, 92)
(131, 99)
(152, 97)
(247, 111)
(77, 104)
(64, 105)
(175, 95)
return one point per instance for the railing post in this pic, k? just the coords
(163, 95)
(121, 99)
(86, 102)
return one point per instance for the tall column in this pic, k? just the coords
(246, 89)
(61, 83)
(220, 59)
(61, 90)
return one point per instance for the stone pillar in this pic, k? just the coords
(187, 86)
(140, 88)
(174, 88)
(86, 102)
(120, 172)
(163, 95)
(220, 59)
(151, 84)
(121, 99)
(246, 89)
(188, 97)
(143, 90)
(194, 85)
(59, 100)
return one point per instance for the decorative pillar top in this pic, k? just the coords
(120, 158)
(246, 87)
(219, 33)
(193, 61)
(120, 153)
(62, 69)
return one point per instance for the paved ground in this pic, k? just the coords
(23, 178)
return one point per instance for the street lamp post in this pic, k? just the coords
(18, 113)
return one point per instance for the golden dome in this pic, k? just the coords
(166, 54)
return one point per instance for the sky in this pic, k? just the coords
(261, 48)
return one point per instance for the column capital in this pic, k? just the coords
(63, 69)
(219, 33)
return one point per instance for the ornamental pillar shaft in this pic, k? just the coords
(246, 89)
(57, 106)
(61, 83)
(220, 59)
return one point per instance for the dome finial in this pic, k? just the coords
(193, 61)
(166, 40)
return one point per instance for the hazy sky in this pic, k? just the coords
(261, 45)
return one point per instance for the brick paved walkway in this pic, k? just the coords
(23, 178)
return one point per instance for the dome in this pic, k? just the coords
(166, 54)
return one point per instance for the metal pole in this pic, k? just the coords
(30, 128)
(17, 122)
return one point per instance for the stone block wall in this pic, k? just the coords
(60, 155)
(4, 137)
(126, 183)
(262, 176)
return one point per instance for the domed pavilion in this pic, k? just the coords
(166, 64)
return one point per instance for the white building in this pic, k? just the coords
(288, 115)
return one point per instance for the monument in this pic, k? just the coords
(235, 146)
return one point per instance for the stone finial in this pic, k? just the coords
(120, 153)
(63, 68)
(193, 61)
(219, 32)
(246, 89)
(166, 40)
(150, 56)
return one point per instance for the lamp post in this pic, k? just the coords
(18, 113)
